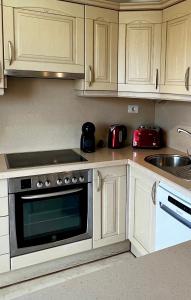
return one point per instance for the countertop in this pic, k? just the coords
(161, 275)
(103, 158)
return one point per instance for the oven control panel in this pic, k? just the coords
(50, 181)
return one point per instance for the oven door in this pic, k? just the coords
(49, 218)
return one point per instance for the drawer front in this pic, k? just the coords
(4, 226)
(3, 206)
(4, 244)
(3, 188)
(4, 263)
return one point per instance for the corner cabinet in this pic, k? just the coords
(139, 51)
(142, 210)
(109, 206)
(101, 46)
(176, 46)
(43, 36)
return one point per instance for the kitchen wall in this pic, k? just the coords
(39, 114)
(170, 115)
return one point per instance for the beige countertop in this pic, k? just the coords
(103, 158)
(161, 275)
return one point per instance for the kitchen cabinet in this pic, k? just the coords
(176, 45)
(45, 35)
(101, 43)
(109, 205)
(142, 210)
(139, 51)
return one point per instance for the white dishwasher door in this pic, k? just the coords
(173, 218)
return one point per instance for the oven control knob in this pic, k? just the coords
(81, 179)
(59, 181)
(74, 180)
(39, 184)
(67, 180)
(47, 183)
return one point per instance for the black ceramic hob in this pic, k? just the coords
(42, 158)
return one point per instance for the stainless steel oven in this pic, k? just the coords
(49, 210)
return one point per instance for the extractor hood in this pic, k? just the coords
(44, 74)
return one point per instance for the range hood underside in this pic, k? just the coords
(44, 74)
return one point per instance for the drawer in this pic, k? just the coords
(4, 225)
(4, 244)
(3, 206)
(4, 263)
(3, 188)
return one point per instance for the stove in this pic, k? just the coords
(42, 158)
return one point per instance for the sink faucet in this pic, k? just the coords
(179, 130)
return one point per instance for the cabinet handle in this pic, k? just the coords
(187, 78)
(90, 76)
(153, 193)
(99, 181)
(157, 79)
(10, 50)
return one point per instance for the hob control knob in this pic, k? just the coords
(59, 181)
(74, 180)
(39, 184)
(47, 183)
(67, 180)
(81, 179)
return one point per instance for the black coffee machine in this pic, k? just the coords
(88, 137)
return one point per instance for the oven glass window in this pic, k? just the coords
(51, 219)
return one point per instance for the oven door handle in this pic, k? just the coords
(42, 196)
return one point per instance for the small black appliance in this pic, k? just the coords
(88, 137)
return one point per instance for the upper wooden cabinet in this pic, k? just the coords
(139, 51)
(101, 42)
(43, 35)
(176, 47)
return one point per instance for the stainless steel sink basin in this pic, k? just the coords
(168, 160)
(177, 165)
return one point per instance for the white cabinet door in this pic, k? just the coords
(142, 211)
(139, 51)
(176, 55)
(109, 206)
(43, 36)
(101, 43)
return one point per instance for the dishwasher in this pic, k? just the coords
(173, 217)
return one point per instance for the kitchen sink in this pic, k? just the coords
(177, 165)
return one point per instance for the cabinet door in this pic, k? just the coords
(101, 40)
(109, 206)
(176, 54)
(139, 51)
(43, 36)
(141, 211)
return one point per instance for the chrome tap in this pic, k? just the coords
(179, 130)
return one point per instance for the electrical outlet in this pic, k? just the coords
(133, 109)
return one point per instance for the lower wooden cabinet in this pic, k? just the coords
(142, 210)
(109, 205)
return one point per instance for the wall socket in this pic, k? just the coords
(133, 109)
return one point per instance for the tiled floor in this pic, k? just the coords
(79, 283)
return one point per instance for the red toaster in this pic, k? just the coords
(147, 137)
